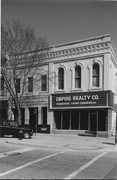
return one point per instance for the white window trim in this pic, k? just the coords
(73, 77)
(56, 78)
(91, 87)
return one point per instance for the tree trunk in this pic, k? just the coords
(18, 115)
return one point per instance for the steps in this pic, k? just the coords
(88, 133)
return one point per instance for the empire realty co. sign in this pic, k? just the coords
(97, 98)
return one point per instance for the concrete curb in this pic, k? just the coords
(71, 142)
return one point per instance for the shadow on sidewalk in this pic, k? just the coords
(108, 143)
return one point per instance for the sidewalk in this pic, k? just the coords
(73, 142)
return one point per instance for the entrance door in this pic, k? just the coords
(93, 121)
(22, 116)
(33, 118)
(44, 115)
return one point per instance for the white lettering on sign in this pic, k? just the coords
(77, 98)
(95, 97)
(82, 98)
(67, 98)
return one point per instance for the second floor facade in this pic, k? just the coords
(87, 65)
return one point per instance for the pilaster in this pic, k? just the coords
(26, 115)
(106, 71)
(51, 78)
(39, 115)
(109, 122)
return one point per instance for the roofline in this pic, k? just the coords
(81, 41)
(73, 43)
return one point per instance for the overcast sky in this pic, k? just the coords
(63, 21)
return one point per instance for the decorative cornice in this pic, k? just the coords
(75, 51)
(71, 52)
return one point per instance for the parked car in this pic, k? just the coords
(8, 127)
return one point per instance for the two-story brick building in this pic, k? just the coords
(78, 89)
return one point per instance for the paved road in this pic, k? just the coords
(29, 162)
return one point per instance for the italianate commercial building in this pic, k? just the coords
(76, 91)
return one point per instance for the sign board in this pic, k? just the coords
(9, 123)
(95, 98)
(44, 128)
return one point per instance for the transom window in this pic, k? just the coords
(95, 75)
(61, 78)
(77, 77)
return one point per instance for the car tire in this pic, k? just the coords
(26, 135)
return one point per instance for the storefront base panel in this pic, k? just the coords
(102, 134)
(67, 131)
(80, 132)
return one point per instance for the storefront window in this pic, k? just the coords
(57, 117)
(66, 120)
(84, 120)
(77, 77)
(71, 120)
(102, 116)
(75, 119)
(93, 120)
(61, 78)
(95, 75)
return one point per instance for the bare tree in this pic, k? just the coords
(21, 53)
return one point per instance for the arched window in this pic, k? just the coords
(61, 78)
(95, 75)
(77, 77)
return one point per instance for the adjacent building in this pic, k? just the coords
(77, 91)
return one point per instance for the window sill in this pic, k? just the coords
(76, 90)
(43, 92)
(59, 91)
(95, 88)
(29, 93)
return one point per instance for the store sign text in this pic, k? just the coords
(77, 98)
(81, 99)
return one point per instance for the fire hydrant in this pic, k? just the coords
(20, 135)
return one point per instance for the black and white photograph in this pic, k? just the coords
(58, 89)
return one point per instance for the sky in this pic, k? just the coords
(63, 21)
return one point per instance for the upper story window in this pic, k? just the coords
(44, 82)
(30, 84)
(77, 77)
(18, 85)
(2, 83)
(61, 78)
(95, 75)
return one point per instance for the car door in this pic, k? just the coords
(6, 130)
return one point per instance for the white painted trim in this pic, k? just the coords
(73, 76)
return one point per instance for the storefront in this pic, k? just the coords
(83, 111)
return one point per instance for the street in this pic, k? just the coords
(32, 162)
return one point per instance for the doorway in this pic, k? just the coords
(44, 115)
(22, 116)
(33, 118)
(93, 121)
